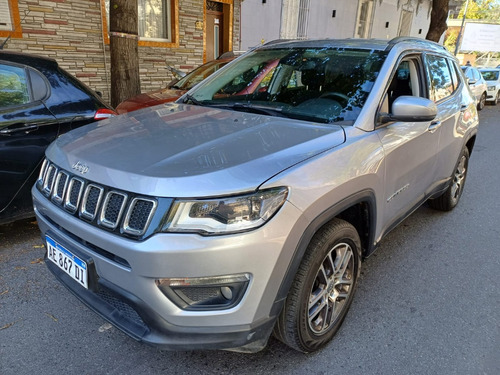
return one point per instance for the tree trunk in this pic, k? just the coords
(439, 14)
(123, 32)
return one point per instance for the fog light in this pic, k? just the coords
(205, 293)
(227, 293)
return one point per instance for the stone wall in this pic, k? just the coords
(70, 31)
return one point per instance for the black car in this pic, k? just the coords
(38, 102)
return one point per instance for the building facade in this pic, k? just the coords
(186, 33)
(264, 20)
(182, 33)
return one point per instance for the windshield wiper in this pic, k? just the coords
(247, 107)
(189, 99)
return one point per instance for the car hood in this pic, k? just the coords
(177, 150)
(149, 99)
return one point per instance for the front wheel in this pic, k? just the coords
(497, 98)
(451, 196)
(323, 288)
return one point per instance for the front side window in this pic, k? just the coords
(154, 19)
(440, 81)
(13, 86)
(476, 75)
(317, 84)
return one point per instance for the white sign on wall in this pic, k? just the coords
(481, 37)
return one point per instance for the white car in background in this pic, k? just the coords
(477, 85)
(492, 78)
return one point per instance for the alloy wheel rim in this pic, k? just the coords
(331, 288)
(458, 178)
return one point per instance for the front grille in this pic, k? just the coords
(137, 216)
(114, 204)
(91, 199)
(73, 194)
(60, 187)
(48, 181)
(98, 204)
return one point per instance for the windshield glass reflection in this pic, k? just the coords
(317, 84)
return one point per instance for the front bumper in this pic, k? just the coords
(491, 95)
(124, 290)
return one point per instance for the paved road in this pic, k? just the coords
(428, 303)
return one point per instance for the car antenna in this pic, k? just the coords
(12, 31)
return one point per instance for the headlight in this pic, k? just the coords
(227, 214)
(491, 88)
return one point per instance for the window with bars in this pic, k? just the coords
(303, 19)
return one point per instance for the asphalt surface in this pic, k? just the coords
(428, 303)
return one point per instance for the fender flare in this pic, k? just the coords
(366, 196)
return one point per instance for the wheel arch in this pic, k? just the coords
(470, 143)
(358, 209)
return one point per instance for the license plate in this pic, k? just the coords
(68, 262)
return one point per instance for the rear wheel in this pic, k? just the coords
(451, 196)
(323, 288)
(482, 101)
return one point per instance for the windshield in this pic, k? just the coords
(490, 75)
(317, 84)
(199, 74)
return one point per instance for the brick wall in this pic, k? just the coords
(70, 31)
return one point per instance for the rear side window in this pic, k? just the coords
(13, 86)
(454, 74)
(440, 78)
(477, 76)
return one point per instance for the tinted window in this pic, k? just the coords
(441, 84)
(490, 75)
(13, 86)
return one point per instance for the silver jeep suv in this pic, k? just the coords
(246, 208)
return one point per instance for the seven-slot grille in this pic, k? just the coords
(96, 203)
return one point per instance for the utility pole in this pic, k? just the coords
(459, 37)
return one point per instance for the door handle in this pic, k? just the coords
(18, 130)
(434, 126)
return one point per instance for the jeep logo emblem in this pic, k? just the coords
(82, 168)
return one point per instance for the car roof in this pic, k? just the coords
(492, 69)
(27, 59)
(356, 43)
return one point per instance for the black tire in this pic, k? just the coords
(482, 102)
(497, 98)
(308, 328)
(451, 196)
